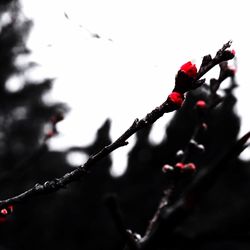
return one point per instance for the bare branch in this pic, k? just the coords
(149, 119)
(169, 217)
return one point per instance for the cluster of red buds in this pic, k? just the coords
(4, 212)
(183, 82)
(186, 77)
(190, 167)
(180, 167)
(186, 80)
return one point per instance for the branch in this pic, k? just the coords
(166, 107)
(169, 217)
(202, 110)
(166, 217)
(115, 210)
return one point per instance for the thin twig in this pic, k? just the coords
(115, 210)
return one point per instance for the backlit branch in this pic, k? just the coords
(186, 79)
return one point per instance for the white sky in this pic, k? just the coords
(143, 43)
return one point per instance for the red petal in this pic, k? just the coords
(4, 211)
(189, 69)
(176, 98)
(179, 165)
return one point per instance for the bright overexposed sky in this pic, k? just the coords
(141, 45)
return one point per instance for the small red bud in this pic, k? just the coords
(189, 69)
(190, 167)
(179, 165)
(201, 104)
(176, 98)
(4, 211)
(229, 54)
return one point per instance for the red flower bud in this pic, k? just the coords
(4, 212)
(201, 104)
(176, 98)
(179, 165)
(190, 167)
(189, 69)
(185, 78)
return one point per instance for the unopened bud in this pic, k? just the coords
(176, 98)
(179, 165)
(167, 168)
(4, 211)
(204, 126)
(201, 148)
(179, 153)
(190, 167)
(193, 142)
(201, 104)
(233, 52)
